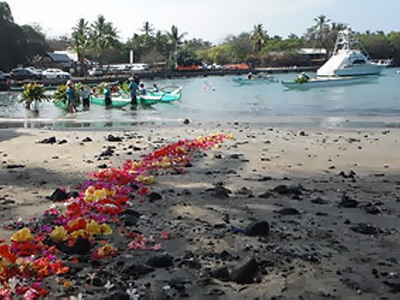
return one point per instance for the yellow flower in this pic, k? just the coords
(89, 190)
(93, 228)
(180, 149)
(78, 234)
(148, 179)
(90, 198)
(100, 194)
(136, 165)
(229, 136)
(21, 236)
(105, 229)
(106, 250)
(58, 234)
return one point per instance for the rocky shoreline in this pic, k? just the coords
(272, 214)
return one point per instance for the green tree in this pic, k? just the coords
(175, 40)
(80, 38)
(103, 36)
(319, 33)
(147, 28)
(258, 37)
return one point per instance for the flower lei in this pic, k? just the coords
(32, 254)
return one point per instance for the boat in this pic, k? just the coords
(348, 59)
(324, 82)
(168, 95)
(124, 100)
(115, 102)
(259, 79)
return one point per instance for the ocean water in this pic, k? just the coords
(220, 100)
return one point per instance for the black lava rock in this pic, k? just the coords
(87, 139)
(364, 228)
(245, 272)
(112, 138)
(137, 271)
(81, 247)
(289, 190)
(260, 228)
(186, 121)
(161, 261)
(221, 274)
(130, 220)
(154, 196)
(12, 166)
(348, 202)
(372, 210)
(319, 200)
(50, 140)
(58, 195)
(288, 211)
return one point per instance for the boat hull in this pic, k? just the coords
(115, 103)
(245, 81)
(328, 82)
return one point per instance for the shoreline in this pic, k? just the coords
(296, 179)
(286, 122)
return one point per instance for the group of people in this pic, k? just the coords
(73, 98)
(136, 88)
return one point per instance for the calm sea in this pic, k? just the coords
(220, 100)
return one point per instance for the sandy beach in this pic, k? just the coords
(274, 213)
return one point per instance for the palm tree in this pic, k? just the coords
(175, 39)
(103, 36)
(258, 37)
(321, 29)
(80, 37)
(147, 28)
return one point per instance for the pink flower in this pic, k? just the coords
(165, 235)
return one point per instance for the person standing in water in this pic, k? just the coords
(70, 92)
(133, 88)
(107, 96)
(85, 94)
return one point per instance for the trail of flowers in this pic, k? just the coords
(34, 251)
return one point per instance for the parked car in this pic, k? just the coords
(22, 73)
(96, 72)
(4, 76)
(37, 71)
(55, 73)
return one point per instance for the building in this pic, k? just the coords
(55, 60)
(315, 55)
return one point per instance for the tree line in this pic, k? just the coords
(99, 41)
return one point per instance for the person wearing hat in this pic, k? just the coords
(133, 88)
(70, 92)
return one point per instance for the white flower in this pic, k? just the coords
(13, 282)
(109, 285)
(79, 297)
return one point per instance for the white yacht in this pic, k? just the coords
(348, 61)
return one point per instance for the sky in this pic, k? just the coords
(211, 20)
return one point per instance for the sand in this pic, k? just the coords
(330, 197)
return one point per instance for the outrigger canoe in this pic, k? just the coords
(169, 96)
(255, 80)
(124, 101)
(324, 82)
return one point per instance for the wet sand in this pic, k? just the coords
(330, 198)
